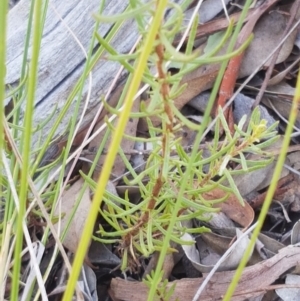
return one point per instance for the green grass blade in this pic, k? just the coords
(26, 143)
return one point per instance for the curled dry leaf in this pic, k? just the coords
(210, 254)
(218, 243)
(68, 203)
(87, 283)
(269, 245)
(101, 254)
(278, 78)
(295, 236)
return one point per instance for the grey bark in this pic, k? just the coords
(61, 60)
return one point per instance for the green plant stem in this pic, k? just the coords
(26, 142)
(270, 193)
(21, 94)
(3, 13)
(116, 139)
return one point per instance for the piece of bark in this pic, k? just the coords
(61, 61)
(254, 281)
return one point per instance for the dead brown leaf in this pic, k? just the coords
(243, 215)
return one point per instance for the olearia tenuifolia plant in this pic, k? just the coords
(141, 229)
(173, 190)
(155, 50)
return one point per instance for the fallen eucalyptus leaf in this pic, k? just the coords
(290, 294)
(295, 236)
(68, 202)
(250, 181)
(243, 106)
(220, 220)
(243, 215)
(278, 78)
(267, 34)
(281, 101)
(270, 244)
(100, 254)
(231, 262)
(196, 81)
(89, 283)
(216, 242)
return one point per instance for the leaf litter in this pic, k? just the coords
(275, 253)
